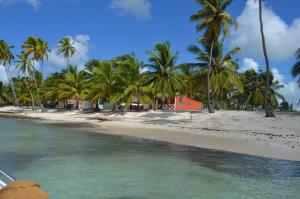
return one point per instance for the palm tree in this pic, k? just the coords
(162, 73)
(6, 57)
(66, 47)
(50, 85)
(193, 84)
(131, 81)
(35, 49)
(24, 66)
(267, 104)
(102, 80)
(254, 88)
(41, 52)
(73, 85)
(4, 96)
(223, 75)
(214, 20)
(296, 68)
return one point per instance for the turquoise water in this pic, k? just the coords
(72, 164)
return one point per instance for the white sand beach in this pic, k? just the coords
(235, 131)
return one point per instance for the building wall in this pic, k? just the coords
(183, 103)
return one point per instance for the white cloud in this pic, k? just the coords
(140, 9)
(33, 3)
(81, 44)
(248, 64)
(282, 39)
(291, 91)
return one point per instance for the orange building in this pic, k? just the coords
(183, 103)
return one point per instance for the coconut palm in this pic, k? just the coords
(161, 74)
(267, 95)
(223, 75)
(73, 85)
(254, 88)
(66, 47)
(4, 96)
(193, 84)
(36, 50)
(102, 80)
(25, 67)
(6, 58)
(214, 20)
(41, 53)
(296, 68)
(131, 81)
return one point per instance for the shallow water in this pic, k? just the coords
(72, 164)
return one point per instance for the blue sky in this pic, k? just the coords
(104, 29)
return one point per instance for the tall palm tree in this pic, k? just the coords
(132, 82)
(162, 73)
(296, 68)
(267, 104)
(6, 58)
(36, 50)
(73, 85)
(66, 47)
(24, 66)
(214, 20)
(42, 51)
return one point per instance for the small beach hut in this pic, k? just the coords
(183, 103)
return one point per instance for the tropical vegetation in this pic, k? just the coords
(214, 78)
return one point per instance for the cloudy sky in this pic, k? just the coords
(104, 29)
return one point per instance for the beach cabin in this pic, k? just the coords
(181, 103)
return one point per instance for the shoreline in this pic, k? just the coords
(229, 131)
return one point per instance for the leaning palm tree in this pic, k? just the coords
(162, 73)
(214, 20)
(267, 104)
(24, 66)
(6, 57)
(296, 68)
(66, 47)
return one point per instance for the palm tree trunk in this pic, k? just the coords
(11, 85)
(77, 104)
(32, 100)
(68, 62)
(210, 109)
(267, 107)
(138, 101)
(37, 88)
